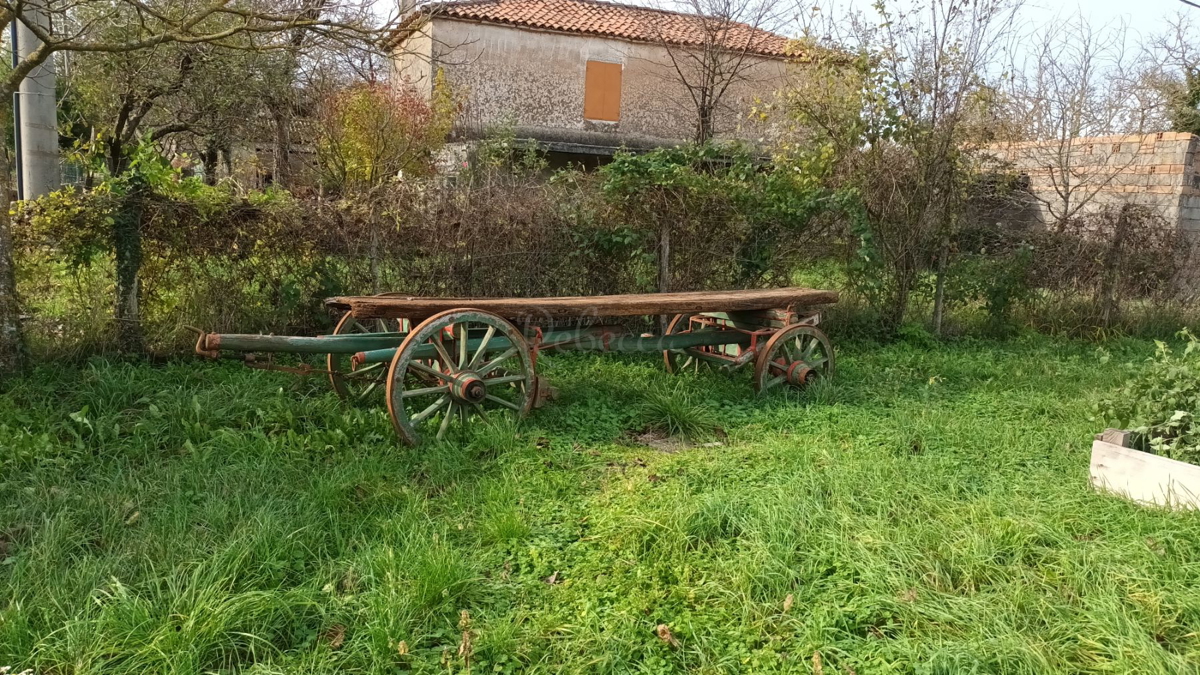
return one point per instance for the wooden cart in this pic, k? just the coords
(444, 359)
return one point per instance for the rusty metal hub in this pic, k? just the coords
(798, 374)
(469, 388)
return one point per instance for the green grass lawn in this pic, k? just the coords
(928, 513)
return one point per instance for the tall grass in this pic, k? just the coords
(927, 512)
(676, 411)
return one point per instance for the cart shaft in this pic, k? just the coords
(586, 341)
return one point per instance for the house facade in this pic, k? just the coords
(581, 76)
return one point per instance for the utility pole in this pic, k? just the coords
(35, 112)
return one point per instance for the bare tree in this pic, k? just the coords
(712, 46)
(1174, 73)
(79, 26)
(897, 99)
(1072, 93)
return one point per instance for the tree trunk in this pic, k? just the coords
(115, 157)
(939, 293)
(1106, 296)
(893, 316)
(904, 278)
(127, 244)
(283, 147)
(210, 159)
(664, 267)
(704, 123)
(12, 339)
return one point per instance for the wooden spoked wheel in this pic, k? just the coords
(677, 360)
(358, 383)
(458, 364)
(680, 360)
(796, 356)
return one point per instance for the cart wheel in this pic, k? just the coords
(679, 361)
(795, 356)
(482, 365)
(676, 360)
(353, 383)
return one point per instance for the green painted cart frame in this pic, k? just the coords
(439, 361)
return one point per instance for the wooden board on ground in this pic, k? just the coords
(1145, 478)
(394, 306)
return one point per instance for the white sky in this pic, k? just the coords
(1144, 17)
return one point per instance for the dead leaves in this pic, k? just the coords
(465, 647)
(335, 636)
(663, 631)
(661, 442)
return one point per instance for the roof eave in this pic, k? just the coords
(412, 24)
(405, 27)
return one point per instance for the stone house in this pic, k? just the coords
(582, 77)
(1160, 171)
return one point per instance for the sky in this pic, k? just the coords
(1144, 17)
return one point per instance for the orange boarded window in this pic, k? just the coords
(602, 91)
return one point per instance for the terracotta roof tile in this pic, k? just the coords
(627, 22)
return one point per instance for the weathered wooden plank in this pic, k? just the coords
(1115, 436)
(1144, 477)
(398, 306)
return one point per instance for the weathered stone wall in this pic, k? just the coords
(1159, 171)
(534, 81)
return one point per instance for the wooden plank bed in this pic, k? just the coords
(396, 306)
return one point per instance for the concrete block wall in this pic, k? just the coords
(1159, 171)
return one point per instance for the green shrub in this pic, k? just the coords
(1160, 404)
(228, 260)
(729, 217)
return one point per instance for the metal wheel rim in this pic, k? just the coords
(677, 360)
(791, 345)
(350, 382)
(413, 400)
(671, 356)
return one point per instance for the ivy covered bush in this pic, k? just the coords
(191, 253)
(1160, 403)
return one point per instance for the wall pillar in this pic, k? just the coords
(37, 112)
